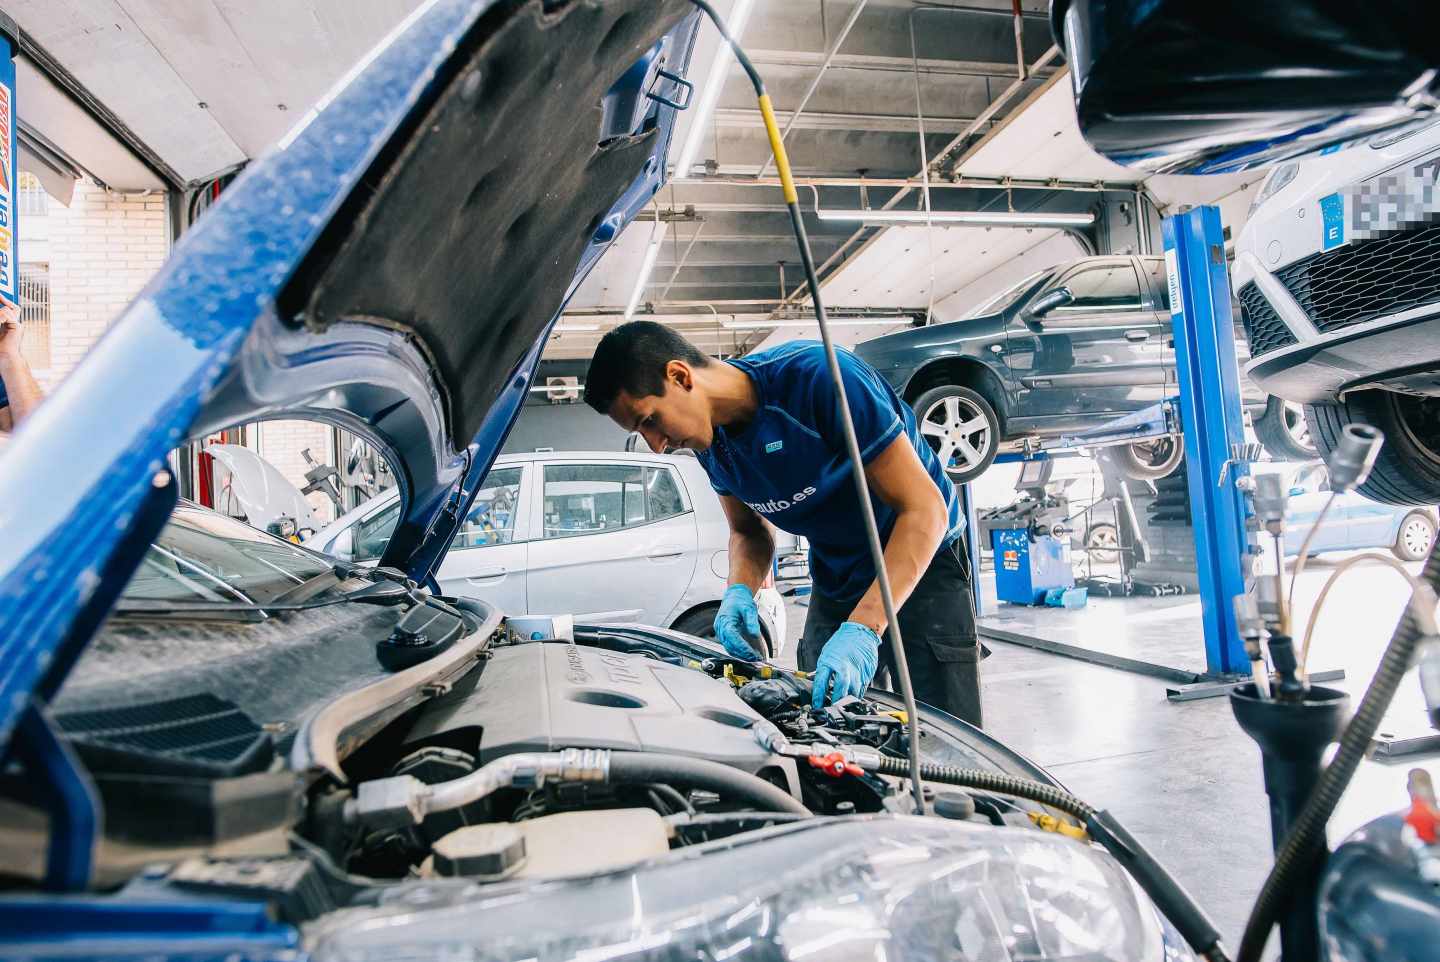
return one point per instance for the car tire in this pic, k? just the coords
(1284, 431)
(1416, 535)
(950, 414)
(1150, 460)
(701, 624)
(1102, 542)
(1407, 472)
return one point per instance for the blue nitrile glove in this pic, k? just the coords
(849, 660)
(737, 623)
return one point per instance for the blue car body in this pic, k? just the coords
(213, 341)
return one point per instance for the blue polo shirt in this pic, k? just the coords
(789, 463)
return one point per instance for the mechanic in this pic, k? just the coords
(766, 428)
(19, 394)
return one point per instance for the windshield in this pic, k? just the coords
(202, 555)
(1006, 298)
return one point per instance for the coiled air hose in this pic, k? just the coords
(1297, 853)
(1172, 900)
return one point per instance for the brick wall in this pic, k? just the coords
(101, 250)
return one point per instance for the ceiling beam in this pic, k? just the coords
(953, 68)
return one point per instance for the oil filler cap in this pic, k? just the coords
(483, 851)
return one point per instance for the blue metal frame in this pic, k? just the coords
(1214, 429)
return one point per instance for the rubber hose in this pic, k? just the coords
(992, 781)
(1168, 895)
(1308, 830)
(629, 768)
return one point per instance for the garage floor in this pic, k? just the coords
(1182, 777)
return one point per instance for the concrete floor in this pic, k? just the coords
(1181, 776)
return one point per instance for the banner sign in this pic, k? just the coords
(9, 241)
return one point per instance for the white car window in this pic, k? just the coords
(491, 519)
(583, 499)
(493, 513)
(1109, 287)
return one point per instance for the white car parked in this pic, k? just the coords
(1339, 283)
(608, 536)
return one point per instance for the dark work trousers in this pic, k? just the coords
(937, 626)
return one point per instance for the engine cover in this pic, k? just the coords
(547, 696)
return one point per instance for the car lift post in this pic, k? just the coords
(1214, 435)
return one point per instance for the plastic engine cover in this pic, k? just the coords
(548, 696)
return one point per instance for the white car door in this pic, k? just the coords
(488, 558)
(613, 541)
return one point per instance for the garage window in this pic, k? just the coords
(590, 498)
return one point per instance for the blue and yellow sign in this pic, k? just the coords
(9, 241)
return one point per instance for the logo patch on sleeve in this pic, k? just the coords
(774, 446)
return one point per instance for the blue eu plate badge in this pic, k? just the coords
(1332, 221)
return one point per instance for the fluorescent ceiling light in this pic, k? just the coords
(652, 251)
(565, 327)
(974, 217)
(714, 81)
(868, 321)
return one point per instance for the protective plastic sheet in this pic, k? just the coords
(874, 889)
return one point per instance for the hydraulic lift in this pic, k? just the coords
(1208, 414)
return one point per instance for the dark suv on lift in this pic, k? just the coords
(1065, 349)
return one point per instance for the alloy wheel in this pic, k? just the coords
(1293, 419)
(1416, 537)
(959, 432)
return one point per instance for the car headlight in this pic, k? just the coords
(856, 888)
(1276, 182)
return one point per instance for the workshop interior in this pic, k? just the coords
(527, 479)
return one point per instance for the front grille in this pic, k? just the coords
(1263, 326)
(1375, 278)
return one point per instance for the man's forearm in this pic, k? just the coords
(913, 543)
(20, 385)
(750, 556)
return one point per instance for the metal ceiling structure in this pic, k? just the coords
(884, 102)
(853, 81)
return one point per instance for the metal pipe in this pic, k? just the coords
(985, 115)
(960, 8)
(829, 59)
(1020, 68)
(971, 182)
(681, 263)
(924, 167)
(1015, 87)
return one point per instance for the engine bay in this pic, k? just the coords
(243, 819)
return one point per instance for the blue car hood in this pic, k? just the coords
(393, 267)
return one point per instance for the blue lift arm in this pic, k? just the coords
(1214, 430)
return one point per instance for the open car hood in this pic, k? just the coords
(393, 268)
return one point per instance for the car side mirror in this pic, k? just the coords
(1048, 302)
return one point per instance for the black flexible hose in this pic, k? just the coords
(1176, 904)
(1308, 831)
(644, 768)
(989, 781)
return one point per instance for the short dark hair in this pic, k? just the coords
(632, 359)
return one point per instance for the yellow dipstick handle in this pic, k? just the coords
(777, 147)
